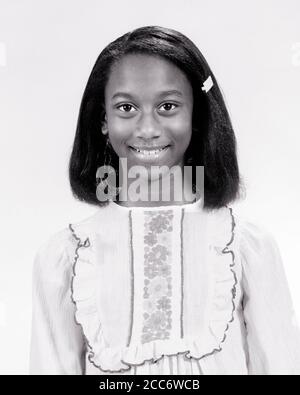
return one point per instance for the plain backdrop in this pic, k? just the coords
(47, 51)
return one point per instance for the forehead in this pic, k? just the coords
(146, 73)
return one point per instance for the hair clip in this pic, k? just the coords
(208, 83)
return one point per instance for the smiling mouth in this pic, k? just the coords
(149, 152)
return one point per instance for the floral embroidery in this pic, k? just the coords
(158, 224)
(157, 254)
(150, 239)
(164, 270)
(164, 303)
(149, 307)
(157, 271)
(158, 287)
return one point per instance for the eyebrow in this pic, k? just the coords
(162, 93)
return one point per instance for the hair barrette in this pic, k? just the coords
(208, 83)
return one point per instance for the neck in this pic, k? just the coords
(165, 189)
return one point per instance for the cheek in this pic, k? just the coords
(182, 132)
(119, 131)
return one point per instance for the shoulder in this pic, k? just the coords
(256, 244)
(252, 233)
(64, 240)
(56, 243)
(54, 255)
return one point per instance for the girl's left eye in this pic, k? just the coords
(168, 105)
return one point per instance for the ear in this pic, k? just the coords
(104, 127)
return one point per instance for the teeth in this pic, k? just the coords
(149, 152)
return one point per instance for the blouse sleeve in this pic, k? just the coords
(57, 344)
(273, 336)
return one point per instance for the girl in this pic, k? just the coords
(155, 286)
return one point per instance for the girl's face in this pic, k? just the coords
(149, 105)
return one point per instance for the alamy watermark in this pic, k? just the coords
(154, 183)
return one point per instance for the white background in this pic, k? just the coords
(47, 50)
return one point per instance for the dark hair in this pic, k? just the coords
(212, 145)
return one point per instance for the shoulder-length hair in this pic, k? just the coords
(212, 145)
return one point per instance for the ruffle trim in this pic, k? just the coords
(120, 359)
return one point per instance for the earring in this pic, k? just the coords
(102, 183)
(107, 156)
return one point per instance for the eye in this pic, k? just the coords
(167, 106)
(126, 107)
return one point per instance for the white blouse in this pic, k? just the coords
(162, 290)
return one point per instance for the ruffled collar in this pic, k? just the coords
(115, 358)
(194, 206)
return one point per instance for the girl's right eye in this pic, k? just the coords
(125, 106)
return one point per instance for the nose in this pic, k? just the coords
(148, 127)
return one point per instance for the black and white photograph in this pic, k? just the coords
(150, 188)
